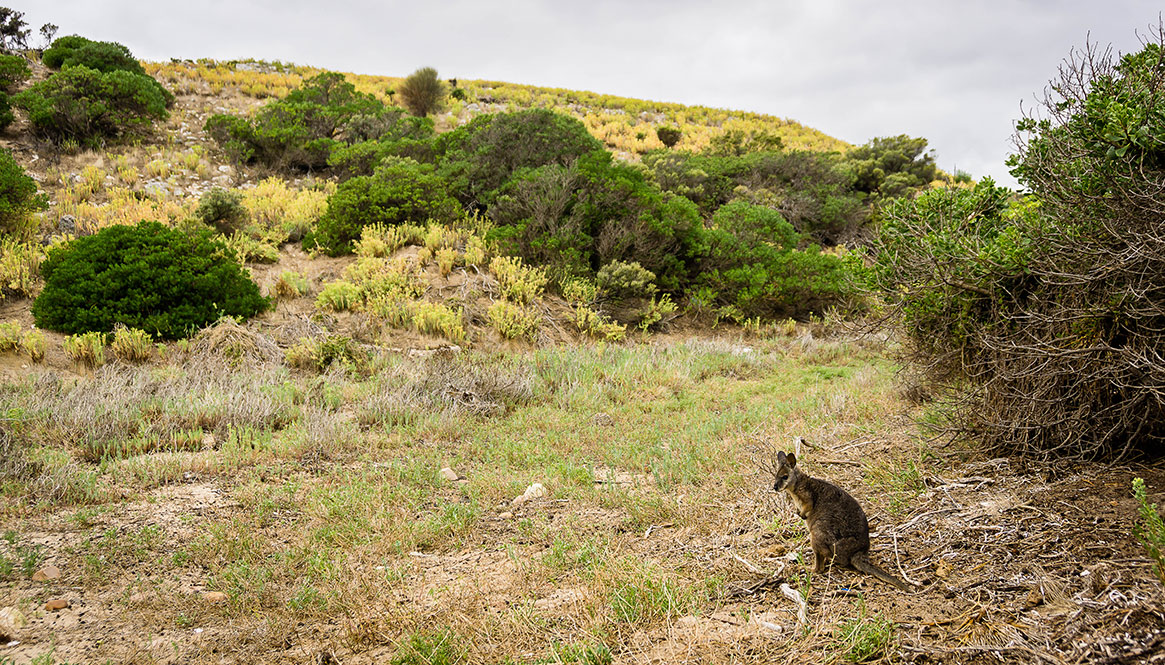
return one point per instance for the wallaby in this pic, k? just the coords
(838, 529)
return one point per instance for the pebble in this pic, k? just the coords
(11, 620)
(535, 491)
(47, 573)
(449, 474)
(214, 597)
(57, 604)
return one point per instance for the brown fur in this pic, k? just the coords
(838, 529)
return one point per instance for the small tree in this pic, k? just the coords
(422, 92)
(18, 199)
(13, 30)
(669, 136)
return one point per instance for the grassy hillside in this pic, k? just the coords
(625, 125)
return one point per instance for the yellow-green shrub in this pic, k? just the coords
(34, 345)
(19, 267)
(446, 258)
(517, 281)
(438, 319)
(290, 284)
(86, 349)
(338, 296)
(9, 336)
(131, 344)
(596, 325)
(514, 321)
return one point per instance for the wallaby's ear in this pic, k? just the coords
(780, 457)
(792, 458)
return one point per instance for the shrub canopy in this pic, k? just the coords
(1042, 318)
(167, 282)
(18, 199)
(85, 105)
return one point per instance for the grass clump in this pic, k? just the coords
(19, 267)
(338, 296)
(131, 345)
(864, 638)
(86, 349)
(514, 321)
(596, 325)
(430, 647)
(33, 344)
(9, 336)
(517, 281)
(438, 319)
(1151, 529)
(291, 284)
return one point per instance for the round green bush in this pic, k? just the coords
(18, 199)
(401, 191)
(223, 209)
(167, 282)
(85, 105)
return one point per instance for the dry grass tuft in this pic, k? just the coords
(228, 342)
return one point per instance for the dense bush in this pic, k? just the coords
(85, 105)
(749, 259)
(18, 199)
(479, 157)
(13, 71)
(668, 135)
(813, 191)
(422, 92)
(575, 219)
(401, 191)
(165, 282)
(892, 166)
(300, 131)
(73, 51)
(1042, 318)
(223, 209)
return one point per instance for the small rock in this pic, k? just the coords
(67, 224)
(11, 620)
(208, 442)
(449, 474)
(47, 573)
(535, 491)
(1034, 598)
(214, 597)
(942, 570)
(224, 169)
(57, 604)
(602, 420)
(506, 515)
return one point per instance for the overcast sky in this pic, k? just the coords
(954, 73)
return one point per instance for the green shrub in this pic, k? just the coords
(422, 92)
(320, 354)
(291, 284)
(749, 257)
(572, 219)
(13, 71)
(400, 192)
(165, 282)
(54, 56)
(18, 200)
(669, 136)
(477, 158)
(1151, 529)
(84, 105)
(223, 209)
(300, 131)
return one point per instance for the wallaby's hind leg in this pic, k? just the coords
(844, 549)
(821, 554)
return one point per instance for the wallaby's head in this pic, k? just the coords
(786, 471)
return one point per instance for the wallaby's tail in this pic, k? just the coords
(862, 562)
